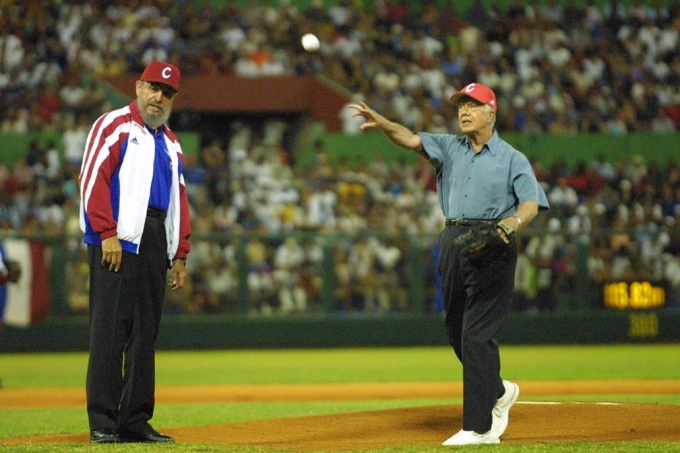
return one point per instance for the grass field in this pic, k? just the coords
(328, 366)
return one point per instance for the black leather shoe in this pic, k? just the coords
(149, 436)
(104, 436)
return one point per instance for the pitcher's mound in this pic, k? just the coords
(529, 423)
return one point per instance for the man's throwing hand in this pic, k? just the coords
(372, 117)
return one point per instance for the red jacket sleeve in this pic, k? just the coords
(95, 176)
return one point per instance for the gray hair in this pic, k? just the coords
(489, 109)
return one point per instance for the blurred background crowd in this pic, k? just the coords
(556, 68)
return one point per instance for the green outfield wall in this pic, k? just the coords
(544, 149)
(612, 312)
(242, 332)
(15, 146)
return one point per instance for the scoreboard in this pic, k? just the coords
(635, 295)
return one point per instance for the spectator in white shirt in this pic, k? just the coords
(563, 198)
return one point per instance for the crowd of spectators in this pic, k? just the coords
(556, 69)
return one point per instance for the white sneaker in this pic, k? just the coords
(501, 411)
(470, 438)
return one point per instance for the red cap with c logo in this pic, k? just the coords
(478, 92)
(162, 72)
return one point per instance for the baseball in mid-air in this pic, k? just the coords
(310, 42)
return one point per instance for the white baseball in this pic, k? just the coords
(310, 42)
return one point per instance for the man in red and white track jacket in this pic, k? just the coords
(135, 220)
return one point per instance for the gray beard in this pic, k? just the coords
(155, 121)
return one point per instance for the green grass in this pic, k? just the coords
(356, 365)
(326, 366)
(25, 422)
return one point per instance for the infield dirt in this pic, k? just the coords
(531, 421)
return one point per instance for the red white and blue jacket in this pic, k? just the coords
(115, 183)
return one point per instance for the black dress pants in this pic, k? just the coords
(125, 314)
(477, 302)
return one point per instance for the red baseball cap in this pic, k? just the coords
(478, 92)
(162, 72)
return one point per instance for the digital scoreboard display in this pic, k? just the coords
(636, 295)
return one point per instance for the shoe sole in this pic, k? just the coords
(105, 441)
(479, 440)
(130, 440)
(491, 442)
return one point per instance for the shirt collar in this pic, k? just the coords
(491, 144)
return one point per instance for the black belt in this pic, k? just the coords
(466, 222)
(155, 213)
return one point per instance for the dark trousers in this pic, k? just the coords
(477, 302)
(125, 314)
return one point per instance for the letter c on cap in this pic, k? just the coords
(470, 88)
(166, 73)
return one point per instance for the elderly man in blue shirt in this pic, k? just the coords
(480, 179)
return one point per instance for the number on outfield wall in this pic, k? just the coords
(643, 325)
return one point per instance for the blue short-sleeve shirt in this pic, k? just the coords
(490, 184)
